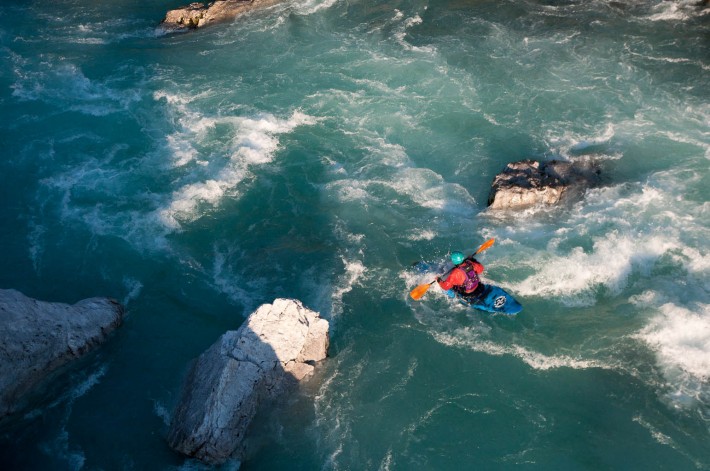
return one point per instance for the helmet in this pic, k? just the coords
(457, 257)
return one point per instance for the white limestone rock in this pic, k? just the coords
(37, 337)
(198, 15)
(275, 347)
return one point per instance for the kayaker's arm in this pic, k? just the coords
(455, 278)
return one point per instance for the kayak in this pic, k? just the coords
(491, 298)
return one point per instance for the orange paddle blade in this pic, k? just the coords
(485, 245)
(419, 291)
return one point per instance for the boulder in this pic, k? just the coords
(198, 15)
(275, 347)
(529, 183)
(37, 337)
(185, 17)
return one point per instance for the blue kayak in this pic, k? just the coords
(490, 298)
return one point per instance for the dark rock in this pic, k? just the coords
(529, 183)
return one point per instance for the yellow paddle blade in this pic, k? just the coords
(485, 245)
(419, 291)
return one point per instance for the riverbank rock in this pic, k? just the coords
(37, 337)
(197, 15)
(275, 347)
(529, 183)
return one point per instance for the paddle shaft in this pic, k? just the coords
(420, 290)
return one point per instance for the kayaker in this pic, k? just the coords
(463, 279)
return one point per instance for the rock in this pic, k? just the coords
(274, 348)
(37, 337)
(529, 183)
(188, 16)
(198, 15)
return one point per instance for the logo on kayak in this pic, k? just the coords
(499, 302)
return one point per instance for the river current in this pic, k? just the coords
(316, 150)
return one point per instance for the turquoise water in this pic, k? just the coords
(315, 151)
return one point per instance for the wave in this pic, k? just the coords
(472, 339)
(310, 7)
(574, 277)
(401, 31)
(58, 82)
(234, 145)
(613, 236)
(387, 176)
(680, 10)
(353, 271)
(204, 161)
(570, 145)
(680, 338)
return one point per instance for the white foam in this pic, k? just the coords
(57, 81)
(162, 412)
(675, 11)
(133, 286)
(423, 234)
(387, 461)
(250, 142)
(36, 246)
(680, 338)
(401, 33)
(402, 383)
(185, 204)
(635, 236)
(473, 339)
(182, 150)
(354, 270)
(574, 277)
(331, 412)
(422, 186)
(412, 21)
(232, 285)
(648, 298)
(660, 437)
(627, 230)
(309, 7)
(569, 143)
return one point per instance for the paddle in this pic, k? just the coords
(419, 291)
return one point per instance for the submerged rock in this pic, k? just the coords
(529, 183)
(274, 348)
(198, 15)
(38, 337)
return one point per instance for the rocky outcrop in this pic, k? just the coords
(274, 348)
(531, 183)
(37, 337)
(198, 15)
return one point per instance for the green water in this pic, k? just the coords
(315, 151)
